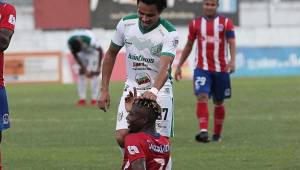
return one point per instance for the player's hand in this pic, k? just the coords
(82, 70)
(95, 73)
(104, 101)
(230, 68)
(178, 74)
(149, 95)
(129, 99)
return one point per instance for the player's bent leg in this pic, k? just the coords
(94, 89)
(121, 125)
(81, 87)
(165, 123)
(219, 116)
(169, 165)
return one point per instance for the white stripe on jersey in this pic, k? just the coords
(203, 33)
(216, 44)
(196, 54)
(197, 50)
(226, 44)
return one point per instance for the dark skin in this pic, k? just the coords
(5, 37)
(138, 121)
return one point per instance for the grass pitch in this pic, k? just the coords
(261, 132)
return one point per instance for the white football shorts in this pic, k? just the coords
(90, 59)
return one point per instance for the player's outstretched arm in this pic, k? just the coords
(108, 65)
(161, 78)
(185, 53)
(139, 164)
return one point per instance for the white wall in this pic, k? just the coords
(36, 40)
(254, 30)
(266, 14)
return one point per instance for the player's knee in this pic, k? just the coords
(218, 102)
(202, 98)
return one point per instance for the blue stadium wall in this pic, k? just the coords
(265, 61)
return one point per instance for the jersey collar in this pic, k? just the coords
(208, 19)
(144, 31)
(154, 134)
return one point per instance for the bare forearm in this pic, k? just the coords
(5, 36)
(232, 50)
(108, 64)
(185, 53)
(161, 79)
(3, 44)
(100, 58)
(165, 66)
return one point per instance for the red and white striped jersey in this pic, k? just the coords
(7, 21)
(212, 36)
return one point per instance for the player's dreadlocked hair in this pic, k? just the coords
(160, 4)
(151, 106)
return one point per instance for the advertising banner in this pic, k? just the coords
(32, 67)
(275, 61)
(106, 14)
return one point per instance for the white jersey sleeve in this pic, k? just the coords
(118, 37)
(170, 44)
(95, 43)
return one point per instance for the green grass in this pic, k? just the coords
(262, 129)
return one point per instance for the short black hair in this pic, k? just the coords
(150, 106)
(160, 4)
(217, 1)
(75, 45)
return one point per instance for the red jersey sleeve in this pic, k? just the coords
(8, 17)
(134, 147)
(229, 28)
(192, 31)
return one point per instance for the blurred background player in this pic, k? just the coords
(150, 43)
(88, 55)
(144, 147)
(7, 26)
(211, 76)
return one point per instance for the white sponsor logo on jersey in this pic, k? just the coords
(12, 19)
(133, 150)
(5, 118)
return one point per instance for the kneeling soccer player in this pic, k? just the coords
(144, 147)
